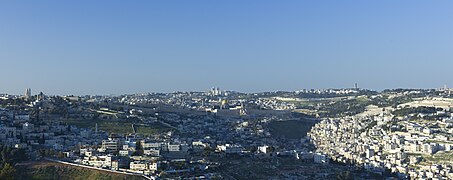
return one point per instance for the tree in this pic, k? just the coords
(344, 175)
(42, 140)
(61, 155)
(8, 172)
(207, 151)
(138, 148)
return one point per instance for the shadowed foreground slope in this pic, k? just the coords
(51, 170)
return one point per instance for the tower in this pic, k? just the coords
(356, 87)
(243, 111)
(27, 93)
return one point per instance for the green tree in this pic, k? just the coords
(138, 148)
(8, 172)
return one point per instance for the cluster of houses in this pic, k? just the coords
(131, 154)
(329, 91)
(382, 142)
(377, 142)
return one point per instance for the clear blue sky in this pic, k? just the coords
(116, 47)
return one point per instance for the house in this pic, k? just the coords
(151, 152)
(153, 166)
(124, 152)
(138, 166)
(110, 145)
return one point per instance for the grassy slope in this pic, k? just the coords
(50, 170)
(120, 127)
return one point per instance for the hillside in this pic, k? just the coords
(51, 170)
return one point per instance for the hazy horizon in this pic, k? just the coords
(34, 92)
(118, 47)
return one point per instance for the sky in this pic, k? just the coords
(122, 47)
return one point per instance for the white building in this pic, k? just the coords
(138, 166)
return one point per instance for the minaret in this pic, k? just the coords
(27, 93)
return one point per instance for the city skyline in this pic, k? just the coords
(76, 48)
(29, 93)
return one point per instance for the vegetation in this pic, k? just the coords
(439, 157)
(292, 129)
(7, 172)
(416, 110)
(344, 175)
(48, 170)
(385, 101)
(369, 126)
(118, 126)
(346, 107)
(8, 158)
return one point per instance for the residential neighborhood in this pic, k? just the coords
(198, 135)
